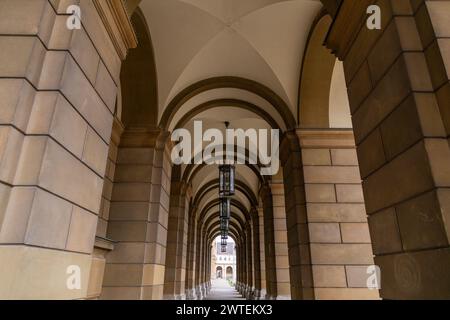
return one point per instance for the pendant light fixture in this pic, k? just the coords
(225, 208)
(226, 177)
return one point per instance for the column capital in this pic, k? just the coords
(140, 137)
(326, 138)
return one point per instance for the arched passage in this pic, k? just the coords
(321, 154)
(299, 234)
(303, 206)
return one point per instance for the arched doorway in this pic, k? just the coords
(229, 273)
(219, 273)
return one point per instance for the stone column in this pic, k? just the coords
(198, 259)
(238, 268)
(208, 274)
(139, 217)
(191, 257)
(262, 254)
(339, 238)
(256, 255)
(269, 243)
(399, 98)
(249, 258)
(102, 245)
(58, 91)
(244, 266)
(437, 55)
(294, 202)
(280, 239)
(202, 266)
(174, 283)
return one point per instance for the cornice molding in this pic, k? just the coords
(326, 138)
(118, 25)
(348, 21)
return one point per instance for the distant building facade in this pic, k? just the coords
(223, 264)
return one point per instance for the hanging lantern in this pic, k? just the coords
(224, 242)
(224, 248)
(224, 224)
(224, 234)
(225, 208)
(226, 179)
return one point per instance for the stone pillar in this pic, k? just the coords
(139, 217)
(249, 258)
(244, 266)
(433, 15)
(208, 274)
(105, 206)
(399, 98)
(102, 245)
(339, 238)
(175, 276)
(205, 270)
(280, 238)
(256, 255)
(269, 243)
(277, 259)
(202, 268)
(198, 260)
(58, 92)
(238, 268)
(262, 254)
(191, 257)
(294, 202)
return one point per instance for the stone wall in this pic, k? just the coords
(340, 243)
(398, 97)
(57, 91)
(138, 218)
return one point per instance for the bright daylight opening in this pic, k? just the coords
(223, 269)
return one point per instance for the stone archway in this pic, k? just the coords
(398, 84)
(219, 272)
(229, 273)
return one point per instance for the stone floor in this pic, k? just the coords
(221, 290)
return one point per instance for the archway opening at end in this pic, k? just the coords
(223, 270)
(223, 261)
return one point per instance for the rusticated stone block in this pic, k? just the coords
(416, 275)
(384, 232)
(324, 233)
(341, 254)
(329, 277)
(49, 221)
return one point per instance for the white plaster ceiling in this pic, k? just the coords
(260, 40)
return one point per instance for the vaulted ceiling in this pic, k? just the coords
(228, 60)
(259, 40)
